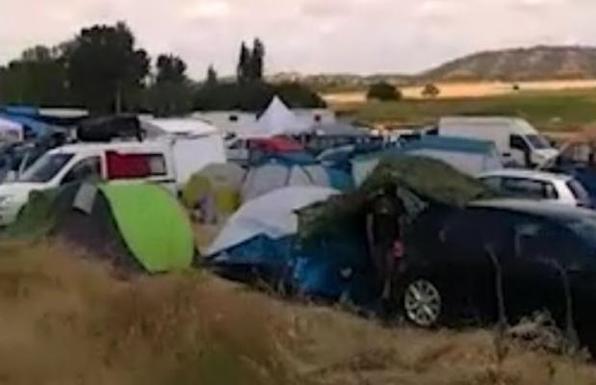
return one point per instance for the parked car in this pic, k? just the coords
(454, 258)
(516, 140)
(170, 161)
(518, 183)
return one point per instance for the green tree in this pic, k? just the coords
(170, 68)
(105, 69)
(383, 91)
(211, 79)
(254, 96)
(244, 63)
(37, 78)
(171, 92)
(430, 90)
(257, 60)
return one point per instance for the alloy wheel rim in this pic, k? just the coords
(422, 303)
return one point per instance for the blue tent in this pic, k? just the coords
(261, 241)
(33, 127)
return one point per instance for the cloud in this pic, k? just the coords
(308, 35)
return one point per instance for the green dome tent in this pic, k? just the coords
(136, 226)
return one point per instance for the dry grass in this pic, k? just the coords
(66, 321)
(469, 90)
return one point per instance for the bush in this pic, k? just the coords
(383, 91)
(431, 91)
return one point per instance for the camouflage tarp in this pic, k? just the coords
(40, 214)
(420, 182)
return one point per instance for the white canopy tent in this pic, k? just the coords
(278, 119)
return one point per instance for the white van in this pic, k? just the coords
(517, 142)
(168, 161)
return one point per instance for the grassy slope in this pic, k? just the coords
(66, 321)
(549, 111)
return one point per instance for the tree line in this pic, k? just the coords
(104, 70)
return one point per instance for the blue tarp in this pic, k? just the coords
(37, 128)
(329, 270)
(447, 143)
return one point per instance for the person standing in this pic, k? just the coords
(384, 222)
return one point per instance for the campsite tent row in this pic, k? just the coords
(275, 238)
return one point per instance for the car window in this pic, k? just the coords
(579, 192)
(538, 142)
(86, 169)
(529, 188)
(135, 166)
(518, 142)
(46, 168)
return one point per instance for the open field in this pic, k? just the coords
(66, 320)
(560, 110)
(469, 90)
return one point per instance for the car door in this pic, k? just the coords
(466, 266)
(532, 280)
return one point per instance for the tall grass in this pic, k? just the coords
(64, 320)
(67, 320)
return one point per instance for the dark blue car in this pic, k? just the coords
(544, 255)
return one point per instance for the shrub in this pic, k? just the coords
(431, 91)
(383, 91)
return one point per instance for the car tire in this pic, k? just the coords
(423, 302)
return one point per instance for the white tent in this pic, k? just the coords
(275, 175)
(278, 119)
(272, 215)
(10, 131)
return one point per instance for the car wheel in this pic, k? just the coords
(422, 303)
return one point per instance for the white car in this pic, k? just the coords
(168, 161)
(559, 188)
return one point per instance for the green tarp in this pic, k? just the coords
(152, 224)
(42, 212)
(420, 181)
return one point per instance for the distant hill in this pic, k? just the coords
(537, 63)
(517, 64)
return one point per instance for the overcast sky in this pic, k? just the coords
(309, 36)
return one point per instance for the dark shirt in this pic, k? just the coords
(385, 211)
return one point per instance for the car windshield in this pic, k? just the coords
(538, 142)
(46, 168)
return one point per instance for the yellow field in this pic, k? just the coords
(470, 90)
